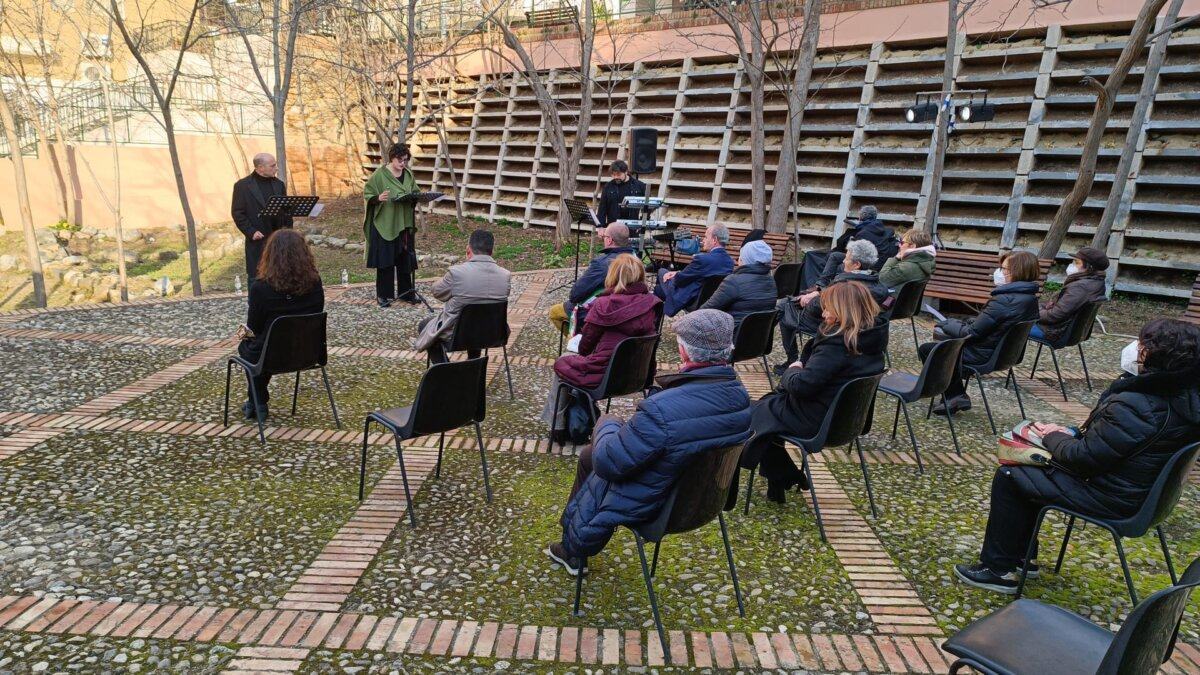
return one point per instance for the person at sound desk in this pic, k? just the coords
(622, 185)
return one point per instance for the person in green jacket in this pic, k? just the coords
(390, 228)
(914, 261)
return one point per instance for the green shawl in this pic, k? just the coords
(390, 217)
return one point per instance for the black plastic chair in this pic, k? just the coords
(708, 286)
(293, 344)
(1077, 333)
(629, 371)
(450, 395)
(1008, 353)
(787, 279)
(1160, 501)
(700, 494)
(935, 376)
(907, 304)
(754, 338)
(848, 417)
(1028, 636)
(482, 326)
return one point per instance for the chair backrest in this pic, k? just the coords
(1148, 635)
(787, 279)
(699, 494)
(907, 300)
(708, 286)
(1081, 324)
(629, 368)
(849, 414)
(1011, 349)
(295, 343)
(938, 369)
(481, 325)
(755, 335)
(451, 395)
(1164, 494)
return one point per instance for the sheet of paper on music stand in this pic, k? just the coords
(592, 215)
(316, 210)
(934, 313)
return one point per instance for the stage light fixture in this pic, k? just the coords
(921, 112)
(977, 112)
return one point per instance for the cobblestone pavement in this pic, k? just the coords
(138, 534)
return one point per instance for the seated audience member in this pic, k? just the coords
(591, 279)
(678, 289)
(756, 234)
(1084, 283)
(1107, 468)
(802, 314)
(478, 280)
(750, 288)
(850, 343)
(287, 284)
(631, 466)
(625, 308)
(1013, 300)
(824, 264)
(914, 262)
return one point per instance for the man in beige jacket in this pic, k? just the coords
(478, 280)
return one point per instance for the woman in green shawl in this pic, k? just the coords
(390, 228)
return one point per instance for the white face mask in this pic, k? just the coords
(1072, 269)
(998, 277)
(1129, 358)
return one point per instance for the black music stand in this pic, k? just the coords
(289, 206)
(581, 214)
(418, 198)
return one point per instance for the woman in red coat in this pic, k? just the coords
(625, 308)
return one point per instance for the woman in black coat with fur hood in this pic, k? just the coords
(1108, 468)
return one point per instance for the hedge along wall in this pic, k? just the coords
(1004, 179)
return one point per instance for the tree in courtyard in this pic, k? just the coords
(16, 153)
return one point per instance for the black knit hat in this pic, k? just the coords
(1093, 258)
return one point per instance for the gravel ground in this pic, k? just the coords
(30, 653)
(360, 386)
(212, 319)
(521, 417)
(471, 560)
(374, 663)
(928, 524)
(48, 376)
(170, 519)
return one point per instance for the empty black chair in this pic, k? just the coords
(700, 494)
(450, 395)
(1077, 333)
(1008, 353)
(932, 382)
(907, 304)
(754, 338)
(482, 326)
(708, 286)
(847, 418)
(293, 344)
(787, 279)
(1028, 636)
(629, 371)
(1160, 501)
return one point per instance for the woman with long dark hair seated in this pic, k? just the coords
(287, 284)
(1107, 468)
(849, 344)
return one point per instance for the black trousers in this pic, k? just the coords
(437, 350)
(254, 251)
(957, 386)
(393, 282)
(1010, 525)
(261, 382)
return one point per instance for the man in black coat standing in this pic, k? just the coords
(621, 186)
(250, 195)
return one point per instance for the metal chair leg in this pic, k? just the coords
(329, 393)
(887, 358)
(1037, 527)
(749, 491)
(508, 372)
(913, 322)
(1087, 377)
(896, 419)
(1017, 391)
(929, 413)
(579, 587)
(1036, 357)
(362, 467)
(986, 407)
(295, 393)
(767, 370)
(912, 436)
(812, 493)
(487, 486)
(607, 406)
(737, 589)
(654, 562)
(1162, 539)
(1125, 568)
(408, 500)
(228, 375)
(1062, 551)
(262, 437)
(437, 472)
(650, 591)
(862, 460)
(1061, 385)
(950, 421)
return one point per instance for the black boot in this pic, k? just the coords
(776, 490)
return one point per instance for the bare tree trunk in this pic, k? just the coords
(1137, 122)
(31, 246)
(189, 220)
(312, 164)
(116, 157)
(785, 172)
(410, 65)
(1105, 98)
(458, 200)
(928, 220)
(758, 137)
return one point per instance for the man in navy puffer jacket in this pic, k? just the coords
(627, 473)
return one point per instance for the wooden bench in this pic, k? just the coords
(1192, 313)
(553, 16)
(966, 276)
(778, 241)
